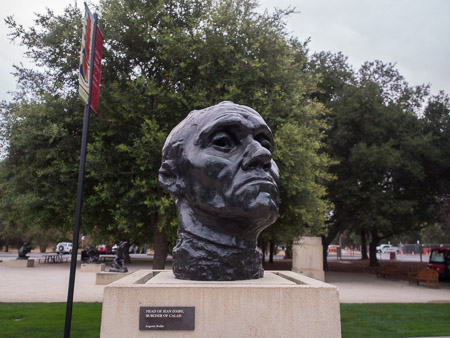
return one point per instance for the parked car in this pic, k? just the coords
(64, 247)
(440, 262)
(104, 249)
(391, 248)
(114, 249)
(333, 248)
(381, 247)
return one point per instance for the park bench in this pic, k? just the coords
(53, 258)
(105, 258)
(424, 275)
(390, 270)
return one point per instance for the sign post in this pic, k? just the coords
(89, 89)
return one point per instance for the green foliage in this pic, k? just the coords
(389, 160)
(436, 127)
(162, 59)
(39, 175)
(302, 175)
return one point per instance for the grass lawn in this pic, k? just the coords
(48, 320)
(358, 320)
(395, 320)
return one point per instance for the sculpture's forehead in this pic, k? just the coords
(231, 119)
(227, 116)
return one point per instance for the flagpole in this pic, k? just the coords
(76, 228)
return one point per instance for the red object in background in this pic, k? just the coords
(104, 249)
(96, 70)
(440, 262)
(333, 248)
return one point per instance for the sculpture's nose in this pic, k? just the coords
(257, 156)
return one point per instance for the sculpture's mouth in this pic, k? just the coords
(259, 185)
(259, 181)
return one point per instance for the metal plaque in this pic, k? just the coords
(167, 318)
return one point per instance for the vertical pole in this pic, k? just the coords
(76, 228)
(421, 251)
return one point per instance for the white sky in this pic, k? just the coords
(414, 34)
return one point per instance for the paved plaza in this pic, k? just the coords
(49, 283)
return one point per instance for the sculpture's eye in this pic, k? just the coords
(222, 141)
(264, 141)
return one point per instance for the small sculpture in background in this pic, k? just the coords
(118, 264)
(92, 254)
(24, 249)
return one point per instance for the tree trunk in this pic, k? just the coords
(364, 255)
(160, 248)
(271, 250)
(333, 231)
(325, 253)
(43, 244)
(373, 249)
(288, 251)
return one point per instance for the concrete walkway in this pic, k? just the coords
(49, 283)
(367, 288)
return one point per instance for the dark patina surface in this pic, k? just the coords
(217, 164)
(23, 251)
(118, 264)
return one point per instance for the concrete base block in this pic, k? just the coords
(307, 257)
(93, 267)
(104, 278)
(316, 274)
(21, 263)
(282, 304)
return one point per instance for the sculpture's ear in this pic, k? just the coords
(168, 177)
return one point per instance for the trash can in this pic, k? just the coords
(392, 255)
(339, 252)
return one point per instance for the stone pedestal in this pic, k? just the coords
(21, 263)
(282, 304)
(104, 278)
(307, 257)
(93, 267)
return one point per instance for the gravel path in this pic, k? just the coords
(49, 283)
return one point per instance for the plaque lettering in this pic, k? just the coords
(167, 318)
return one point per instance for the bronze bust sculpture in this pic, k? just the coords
(217, 165)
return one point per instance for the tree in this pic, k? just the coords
(375, 137)
(436, 127)
(163, 59)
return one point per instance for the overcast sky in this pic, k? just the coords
(414, 34)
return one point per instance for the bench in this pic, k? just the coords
(105, 258)
(53, 258)
(424, 275)
(390, 270)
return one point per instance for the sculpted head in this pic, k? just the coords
(219, 160)
(217, 164)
